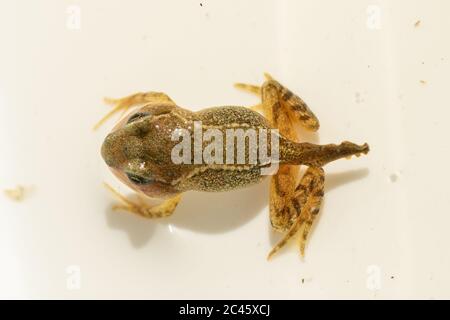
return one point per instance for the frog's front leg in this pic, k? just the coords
(164, 209)
(124, 104)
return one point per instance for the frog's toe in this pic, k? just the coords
(248, 87)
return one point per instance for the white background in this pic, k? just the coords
(383, 230)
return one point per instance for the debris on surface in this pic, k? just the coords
(305, 280)
(423, 82)
(15, 194)
(417, 24)
(393, 177)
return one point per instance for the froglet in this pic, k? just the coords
(140, 152)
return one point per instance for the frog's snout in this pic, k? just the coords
(120, 148)
(113, 149)
(106, 150)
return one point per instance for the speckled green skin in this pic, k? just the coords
(144, 147)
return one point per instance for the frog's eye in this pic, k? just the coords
(136, 116)
(137, 179)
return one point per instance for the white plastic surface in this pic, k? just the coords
(383, 229)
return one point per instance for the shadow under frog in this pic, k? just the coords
(334, 180)
(219, 213)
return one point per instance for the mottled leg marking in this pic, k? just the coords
(293, 104)
(308, 197)
(314, 195)
(297, 109)
(124, 104)
(282, 207)
(290, 205)
(282, 185)
(164, 209)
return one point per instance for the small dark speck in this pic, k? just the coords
(359, 97)
(368, 66)
(423, 62)
(393, 177)
(392, 277)
(201, 4)
(303, 280)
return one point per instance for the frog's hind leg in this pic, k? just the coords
(284, 181)
(283, 205)
(292, 104)
(248, 87)
(306, 203)
(297, 109)
(124, 104)
(291, 204)
(251, 87)
(254, 89)
(140, 208)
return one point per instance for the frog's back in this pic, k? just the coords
(232, 116)
(225, 177)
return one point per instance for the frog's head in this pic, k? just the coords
(138, 151)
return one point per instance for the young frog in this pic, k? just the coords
(139, 150)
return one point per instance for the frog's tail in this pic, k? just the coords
(318, 155)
